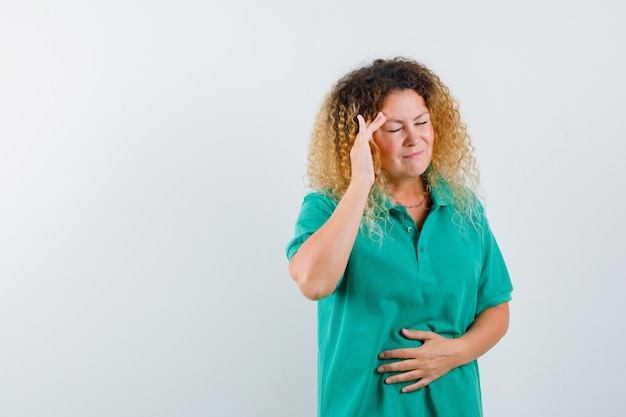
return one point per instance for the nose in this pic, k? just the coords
(412, 136)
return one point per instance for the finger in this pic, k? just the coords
(404, 377)
(375, 124)
(399, 366)
(417, 334)
(405, 353)
(362, 124)
(419, 384)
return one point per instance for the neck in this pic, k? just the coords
(408, 192)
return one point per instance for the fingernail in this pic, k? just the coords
(380, 369)
(388, 381)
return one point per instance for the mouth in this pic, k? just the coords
(414, 155)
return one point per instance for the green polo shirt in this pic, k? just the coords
(437, 279)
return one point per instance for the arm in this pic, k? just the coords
(438, 355)
(320, 262)
(487, 330)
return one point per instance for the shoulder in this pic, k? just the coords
(457, 196)
(319, 198)
(316, 206)
(464, 206)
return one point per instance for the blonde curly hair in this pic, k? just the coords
(362, 92)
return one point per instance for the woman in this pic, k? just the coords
(394, 244)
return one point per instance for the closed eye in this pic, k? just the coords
(422, 123)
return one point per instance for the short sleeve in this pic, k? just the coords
(316, 210)
(494, 286)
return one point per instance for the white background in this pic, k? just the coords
(152, 156)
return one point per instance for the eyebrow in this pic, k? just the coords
(400, 121)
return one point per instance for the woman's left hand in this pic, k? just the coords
(424, 364)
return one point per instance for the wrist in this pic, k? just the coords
(361, 185)
(463, 351)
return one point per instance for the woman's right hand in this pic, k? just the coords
(321, 261)
(361, 152)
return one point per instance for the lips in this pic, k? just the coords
(414, 155)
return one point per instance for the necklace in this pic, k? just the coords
(420, 204)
